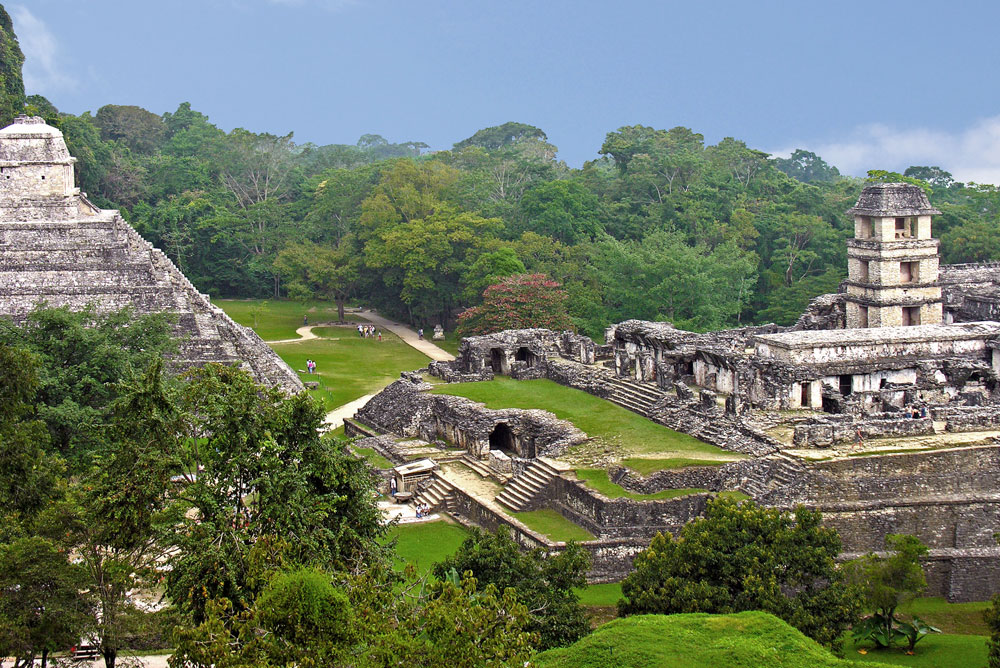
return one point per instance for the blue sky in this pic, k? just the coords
(878, 84)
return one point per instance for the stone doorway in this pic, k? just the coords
(498, 360)
(502, 439)
(526, 356)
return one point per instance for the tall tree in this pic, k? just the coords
(518, 302)
(11, 62)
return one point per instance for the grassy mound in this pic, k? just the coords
(748, 639)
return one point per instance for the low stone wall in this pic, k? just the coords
(826, 431)
(623, 518)
(968, 418)
(699, 477)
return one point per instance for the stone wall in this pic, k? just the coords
(691, 477)
(623, 518)
(822, 432)
(407, 409)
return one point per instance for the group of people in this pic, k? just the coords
(423, 510)
(310, 366)
(369, 332)
(918, 412)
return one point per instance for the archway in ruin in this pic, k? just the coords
(502, 439)
(526, 356)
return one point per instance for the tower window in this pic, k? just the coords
(903, 228)
(911, 316)
(863, 271)
(909, 272)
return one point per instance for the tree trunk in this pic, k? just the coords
(340, 310)
(45, 657)
(110, 656)
(277, 286)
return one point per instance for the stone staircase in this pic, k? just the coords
(522, 490)
(437, 494)
(636, 396)
(479, 467)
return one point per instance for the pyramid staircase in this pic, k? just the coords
(525, 488)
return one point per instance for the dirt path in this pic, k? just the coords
(335, 418)
(408, 336)
(305, 333)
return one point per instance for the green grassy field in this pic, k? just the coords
(609, 425)
(744, 640)
(350, 367)
(934, 651)
(604, 595)
(373, 458)
(646, 466)
(278, 319)
(597, 479)
(551, 523)
(426, 543)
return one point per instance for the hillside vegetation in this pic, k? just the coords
(747, 639)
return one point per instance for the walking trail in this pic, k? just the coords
(335, 418)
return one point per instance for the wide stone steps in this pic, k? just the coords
(635, 396)
(436, 494)
(476, 465)
(522, 490)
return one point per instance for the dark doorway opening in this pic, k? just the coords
(804, 398)
(845, 384)
(525, 355)
(502, 439)
(496, 360)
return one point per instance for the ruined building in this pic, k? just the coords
(880, 408)
(59, 249)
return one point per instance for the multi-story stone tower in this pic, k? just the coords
(58, 248)
(892, 261)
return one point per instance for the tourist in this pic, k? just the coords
(420, 333)
(380, 336)
(923, 411)
(360, 333)
(859, 441)
(419, 514)
(305, 320)
(392, 486)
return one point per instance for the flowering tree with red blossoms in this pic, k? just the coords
(518, 302)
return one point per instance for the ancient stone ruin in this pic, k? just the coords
(880, 407)
(57, 248)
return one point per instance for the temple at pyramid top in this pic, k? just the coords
(57, 248)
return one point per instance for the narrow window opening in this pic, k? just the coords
(845, 384)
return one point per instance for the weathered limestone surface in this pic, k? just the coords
(406, 409)
(58, 248)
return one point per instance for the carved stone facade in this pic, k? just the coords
(892, 261)
(59, 249)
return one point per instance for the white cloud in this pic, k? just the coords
(43, 62)
(972, 154)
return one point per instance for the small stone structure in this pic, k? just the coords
(58, 248)
(407, 409)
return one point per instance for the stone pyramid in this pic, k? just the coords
(57, 247)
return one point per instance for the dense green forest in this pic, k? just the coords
(659, 226)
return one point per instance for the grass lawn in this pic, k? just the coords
(349, 367)
(278, 319)
(965, 618)
(552, 523)
(608, 424)
(744, 640)
(934, 651)
(647, 466)
(374, 458)
(603, 595)
(597, 479)
(426, 543)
